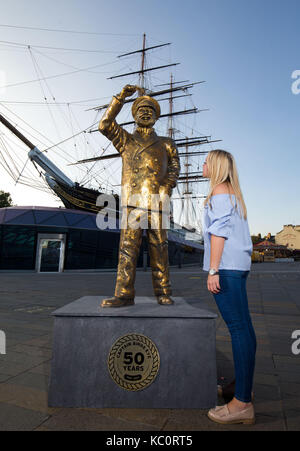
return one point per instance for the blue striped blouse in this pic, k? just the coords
(227, 221)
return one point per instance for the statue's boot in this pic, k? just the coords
(165, 300)
(117, 302)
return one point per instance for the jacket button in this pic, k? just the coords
(134, 184)
(136, 170)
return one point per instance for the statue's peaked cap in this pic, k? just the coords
(145, 101)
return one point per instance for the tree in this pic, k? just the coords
(256, 238)
(5, 199)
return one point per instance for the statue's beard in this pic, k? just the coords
(144, 124)
(145, 131)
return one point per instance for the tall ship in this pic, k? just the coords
(99, 166)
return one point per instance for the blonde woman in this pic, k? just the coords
(227, 258)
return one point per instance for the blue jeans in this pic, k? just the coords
(232, 303)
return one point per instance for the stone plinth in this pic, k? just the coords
(84, 333)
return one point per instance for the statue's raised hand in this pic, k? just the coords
(128, 91)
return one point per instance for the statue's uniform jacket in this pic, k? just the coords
(150, 166)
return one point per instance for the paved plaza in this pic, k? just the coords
(26, 303)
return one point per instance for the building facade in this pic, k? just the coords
(289, 236)
(45, 239)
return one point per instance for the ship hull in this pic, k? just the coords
(80, 198)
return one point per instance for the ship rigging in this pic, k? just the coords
(75, 194)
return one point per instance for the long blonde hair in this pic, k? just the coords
(222, 168)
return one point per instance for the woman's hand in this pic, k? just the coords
(213, 283)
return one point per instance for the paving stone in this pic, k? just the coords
(15, 337)
(26, 397)
(4, 377)
(86, 420)
(13, 369)
(25, 314)
(225, 364)
(287, 376)
(155, 417)
(280, 346)
(45, 341)
(265, 379)
(23, 358)
(267, 392)
(264, 365)
(14, 418)
(32, 351)
(32, 380)
(24, 330)
(44, 368)
(198, 421)
(291, 402)
(266, 407)
(293, 419)
(283, 362)
(290, 389)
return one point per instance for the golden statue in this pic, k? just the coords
(150, 166)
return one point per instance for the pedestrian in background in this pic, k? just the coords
(227, 258)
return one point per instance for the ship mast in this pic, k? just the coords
(142, 75)
(171, 108)
(187, 178)
(169, 88)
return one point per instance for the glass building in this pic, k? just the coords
(45, 239)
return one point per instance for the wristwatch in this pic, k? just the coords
(213, 272)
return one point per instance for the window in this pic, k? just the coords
(18, 247)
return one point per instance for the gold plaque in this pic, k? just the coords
(133, 362)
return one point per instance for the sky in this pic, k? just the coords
(245, 51)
